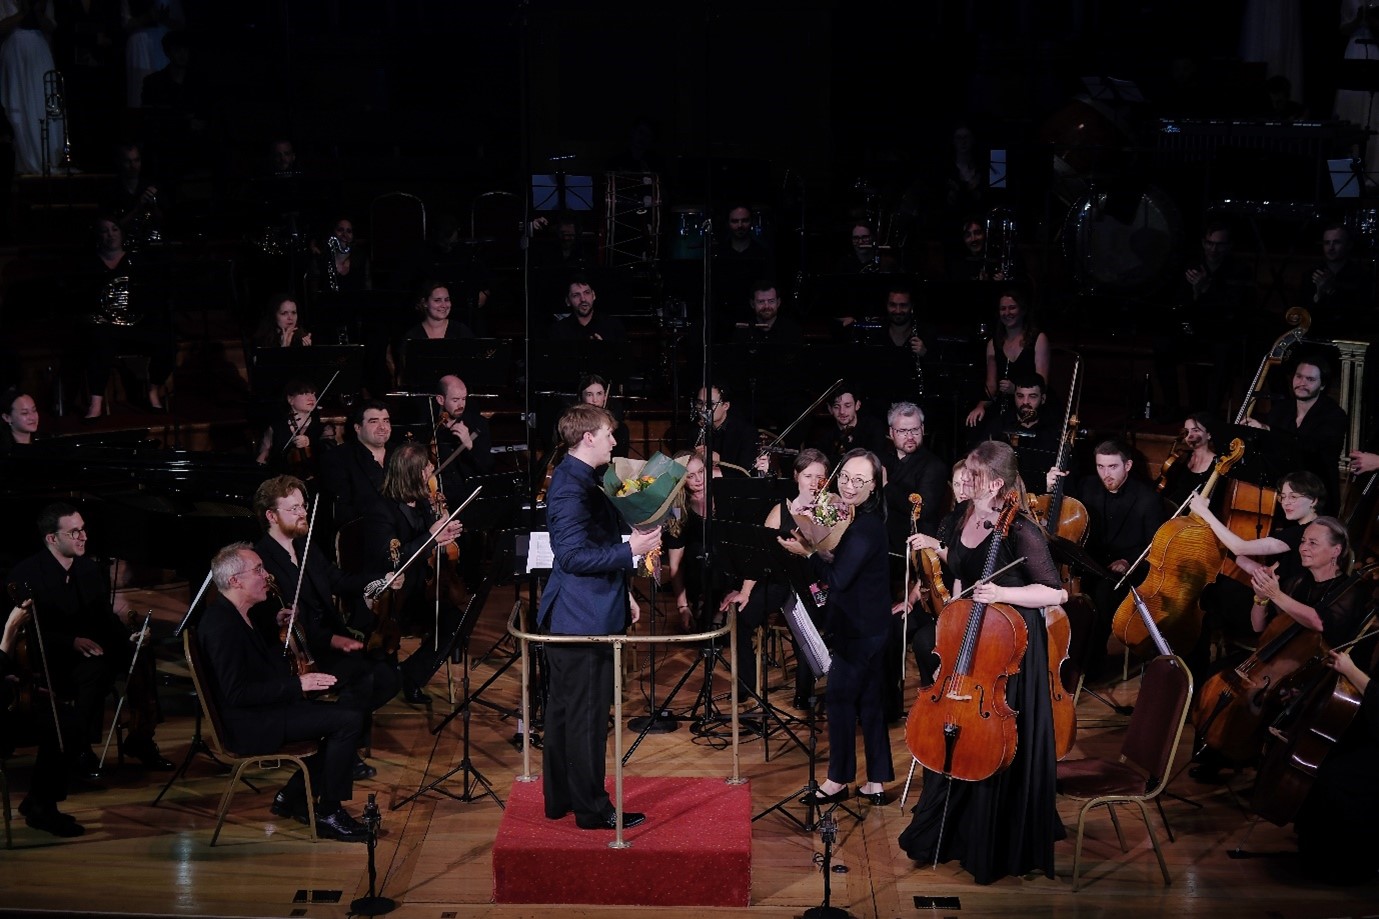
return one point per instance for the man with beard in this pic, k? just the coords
(583, 323)
(1312, 424)
(365, 680)
(88, 646)
(850, 429)
(911, 468)
(466, 432)
(1027, 428)
(353, 473)
(768, 352)
(1124, 514)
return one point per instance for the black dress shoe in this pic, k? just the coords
(340, 825)
(50, 820)
(415, 695)
(876, 798)
(286, 804)
(629, 820)
(362, 770)
(147, 753)
(820, 799)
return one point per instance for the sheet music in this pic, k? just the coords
(540, 557)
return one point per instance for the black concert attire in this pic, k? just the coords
(1336, 839)
(454, 331)
(1121, 526)
(366, 681)
(833, 441)
(690, 538)
(1318, 440)
(283, 459)
(270, 337)
(767, 361)
(586, 595)
(899, 377)
(1209, 324)
(1036, 446)
(736, 442)
(735, 272)
(262, 707)
(75, 603)
(48, 783)
(477, 460)
(1180, 481)
(601, 325)
(767, 596)
(858, 617)
(1344, 308)
(922, 473)
(409, 526)
(351, 476)
(123, 314)
(1007, 824)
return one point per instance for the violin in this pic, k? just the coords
(1184, 557)
(301, 461)
(962, 726)
(386, 634)
(292, 636)
(1176, 452)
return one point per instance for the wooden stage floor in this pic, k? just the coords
(434, 857)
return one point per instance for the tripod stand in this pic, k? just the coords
(472, 779)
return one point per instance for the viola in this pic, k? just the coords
(1184, 557)
(1177, 452)
(386, 634)
(292, 635)
(962, 726)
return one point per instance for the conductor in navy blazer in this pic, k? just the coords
(586, 595)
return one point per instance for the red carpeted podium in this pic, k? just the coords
(695, 848)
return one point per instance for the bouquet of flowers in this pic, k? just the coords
(824, 521)
(643, 492)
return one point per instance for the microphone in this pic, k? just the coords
(989, 524)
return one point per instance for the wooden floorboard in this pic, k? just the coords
(435, 855)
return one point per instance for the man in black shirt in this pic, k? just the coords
(352, 473)
(466, 432)
(583, 323)
(1028, 428)
(1312, 424)
(848, 429)
(88, 646)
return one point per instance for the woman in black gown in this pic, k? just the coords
(1007, 824)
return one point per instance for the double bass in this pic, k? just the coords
(1184, 557)
(962, 726)
(1056, 512)
(1248, 510)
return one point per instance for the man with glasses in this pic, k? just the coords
(88, 646)
(734, 440)
(262, 704)
(911, 469)
(366, 680)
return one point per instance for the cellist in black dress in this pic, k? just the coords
(1007, 824)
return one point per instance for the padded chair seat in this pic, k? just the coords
(1093, 778)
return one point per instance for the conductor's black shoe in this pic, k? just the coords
(362, 770)
(147, 753)
(50, 820)
(340, 825)
(629, 820)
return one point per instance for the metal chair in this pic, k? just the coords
(1145, 764)
(291, 754)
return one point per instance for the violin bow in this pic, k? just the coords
(980, 581)
(916, 506)
(133, 659)
(374, 588)
(803, 415)
(301, 573)
(298, 428)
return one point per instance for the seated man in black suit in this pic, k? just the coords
(261, 700)
(367, 680)
(352, 473)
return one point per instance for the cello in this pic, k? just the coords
(962, 726)
(1056, 512)
(1184, 557)
(1300, 740)
(1249, 509)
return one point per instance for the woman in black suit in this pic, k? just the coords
(858, 614)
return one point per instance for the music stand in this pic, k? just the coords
(554, 364)
(483, 363)
(272, 368)
(748, 500)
